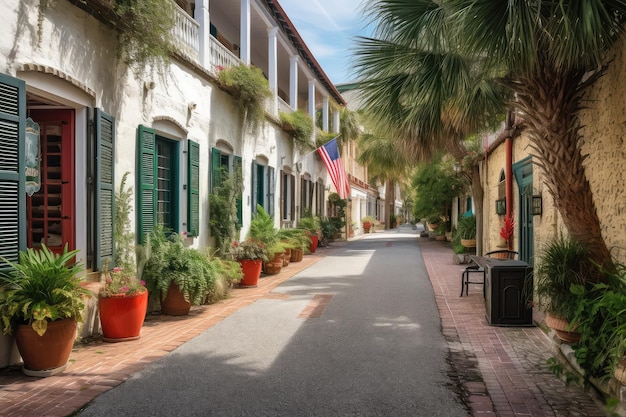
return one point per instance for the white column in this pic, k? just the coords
(202, 17)
(336, 121)
(272, 58)
(312, 99)
(245, 32)
(293, 81)
(325, 113)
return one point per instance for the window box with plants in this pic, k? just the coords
(40, 303)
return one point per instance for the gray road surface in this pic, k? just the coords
(377, 349)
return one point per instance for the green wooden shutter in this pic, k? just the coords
(254, 197)
(216, 168)
(193, 195)
(237, 165)
(12, 171)
(270, 191)
(146, 182)
(105, 188)
(292, 211)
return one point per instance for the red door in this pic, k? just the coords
(51, 218)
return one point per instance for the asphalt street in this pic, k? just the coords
(356, 334)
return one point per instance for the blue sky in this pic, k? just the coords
(328, 28)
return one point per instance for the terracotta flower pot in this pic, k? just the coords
(251, 272)
(122, 317)
(367, 226)
(314, 242)
(562, 329)
(287, 257)
(46, 355)
(296, 255)
(468, 243)
(174, 303)
(275, 265)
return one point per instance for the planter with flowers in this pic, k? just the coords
(506, 232)
(250, 254)
(122, 304)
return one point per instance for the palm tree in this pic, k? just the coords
(546, 53)
(386, 164)
(426, 93)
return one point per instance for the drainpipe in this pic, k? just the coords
(508, 141)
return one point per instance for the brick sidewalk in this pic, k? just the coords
(503, 370)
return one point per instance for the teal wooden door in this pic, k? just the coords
(523, 171)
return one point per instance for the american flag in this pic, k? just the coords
(330, 155)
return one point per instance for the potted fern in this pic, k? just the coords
(176, 276)
(40, 303)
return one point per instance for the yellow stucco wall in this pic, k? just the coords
(604, 122)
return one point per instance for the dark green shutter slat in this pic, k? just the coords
(254, 197)
(105, 192)
(146, 182)
(271, 190)
(193, 220)
(216, 168)
(12, 171)
(292, 215)
(237, 164)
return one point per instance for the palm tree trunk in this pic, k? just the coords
(389, 202)
(551, 103)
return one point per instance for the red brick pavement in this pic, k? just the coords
(503, 370)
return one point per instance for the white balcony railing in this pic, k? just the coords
(221, 57)
(186, 33)
(283, 107)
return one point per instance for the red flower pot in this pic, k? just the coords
(314, 242)
(122, 317)
(251, 272)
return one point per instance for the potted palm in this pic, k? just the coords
(466, 229)
(297, 240)
(311, 225)
(40, 303)
(564, 263)
(250, 254)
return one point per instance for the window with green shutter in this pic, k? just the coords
(105, 192)
(157, 182)
(231, 164)
(193, 216)
(12, 170)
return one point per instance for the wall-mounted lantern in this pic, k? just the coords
(500, 206)
(537, 205)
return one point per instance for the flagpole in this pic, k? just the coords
(313, 151)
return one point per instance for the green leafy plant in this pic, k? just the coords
(124, 237)
(228, 274)
(309, 223)
(466, 227)
(294, 238)
(223, 222)
(302, 127)
(563, 262)
(42, 287)
(120, 283)
(249, 249)
(368, 219)
(600, 317)
(169, 261)
(144, 30)
(250, 89)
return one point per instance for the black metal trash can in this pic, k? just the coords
(508, 292)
